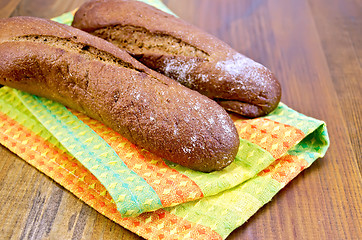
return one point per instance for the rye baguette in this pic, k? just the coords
(93, 76)
(183, 52)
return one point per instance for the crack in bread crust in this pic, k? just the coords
(82, 48)
(139, 40)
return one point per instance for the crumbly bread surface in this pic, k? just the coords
(139, 41)
(183, 52)
(93, 76)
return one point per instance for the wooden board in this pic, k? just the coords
(315, 49)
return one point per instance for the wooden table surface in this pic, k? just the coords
(315, 49)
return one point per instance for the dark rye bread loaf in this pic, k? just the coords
(95, 77)
(183, 52)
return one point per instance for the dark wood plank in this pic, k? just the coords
(339, 27)
(45, 9)
(7, 7)
(314, 48)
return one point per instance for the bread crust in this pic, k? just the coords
(191, 56)
(93, 76)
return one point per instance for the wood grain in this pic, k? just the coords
(45, 9)
(339, 28)
(7, 7)
(315, 49)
